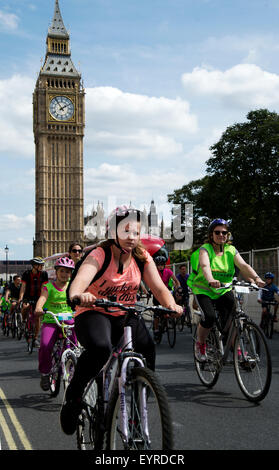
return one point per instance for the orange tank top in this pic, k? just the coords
(124, 286)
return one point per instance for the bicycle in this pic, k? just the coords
(64, 355)
(125, 403)
(166, 324)
(29, 329)
(186, 317)
(16, 323)
(267, 323)
(251, 356)
(6, 322)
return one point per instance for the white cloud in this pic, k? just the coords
(15, 222)
(244, 85)
(118, 124)
(126, 125)
(16, 136)
(8, 21)
(126, 183)
(21, 241)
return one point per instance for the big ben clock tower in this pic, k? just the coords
(58, 124)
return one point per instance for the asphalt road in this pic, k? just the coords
(216, 419)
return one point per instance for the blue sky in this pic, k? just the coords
(163, 80)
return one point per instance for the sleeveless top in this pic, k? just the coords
(56, 302)
(222, 268)
(124, 286)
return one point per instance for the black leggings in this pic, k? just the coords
(98, 333)
(225, 304)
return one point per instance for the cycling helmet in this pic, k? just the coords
(64, 263)
(159, 260)
(269, 275)
(216, 222)
(37, 260)
(119, 214)
(179, 291)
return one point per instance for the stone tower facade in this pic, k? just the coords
(58, 125)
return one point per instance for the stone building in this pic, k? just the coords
(58, 126)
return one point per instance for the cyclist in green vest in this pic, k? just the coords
(54, 299)
(216, 266)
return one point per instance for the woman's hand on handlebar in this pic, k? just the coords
(176, 308)
(215, 284)
(39, 312)
(84, 300)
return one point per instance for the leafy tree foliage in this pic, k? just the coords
(241, 183)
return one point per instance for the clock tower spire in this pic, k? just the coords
(58, 125)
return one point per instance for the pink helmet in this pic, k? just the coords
(64, 263)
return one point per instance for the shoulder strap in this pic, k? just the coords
(140, 265)
(107, 259)
(105, 265)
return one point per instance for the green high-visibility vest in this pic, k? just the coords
(222, 268)
(56, 302)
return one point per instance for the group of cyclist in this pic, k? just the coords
(128, 264)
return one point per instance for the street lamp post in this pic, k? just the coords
(7, 254)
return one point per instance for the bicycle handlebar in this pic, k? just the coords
(236, 283)
(136, 308)
(56, 316)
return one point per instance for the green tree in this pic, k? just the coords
(241, 184)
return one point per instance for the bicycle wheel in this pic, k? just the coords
(13, 326)
(208, 371)
(89, 434)
(30, 337)
(5, 325)
(180, 322)
(159, 334)
(55, 372)
(69, 368)
(19, 330)
(189, 319)
(270, 326)
(252, 362)
(153, 433)
(171, 331)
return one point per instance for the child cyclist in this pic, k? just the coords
(53, 298)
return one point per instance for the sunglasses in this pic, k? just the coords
(221, 232)
(76, 251)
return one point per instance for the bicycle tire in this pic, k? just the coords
(189, 320)
(88, 433)
(171, 331)
(252, 365)
(159, 334)
(13, 326)
(69, 368)
(55, 372)
(158, 413)
(19, 330)
(208, 371)
(270, 326)
(5, 325)
(180, 322)
(30, 338)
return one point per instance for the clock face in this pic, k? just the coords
(61, 108)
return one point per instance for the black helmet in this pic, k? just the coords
(159, 260)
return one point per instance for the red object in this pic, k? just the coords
(153, 245)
